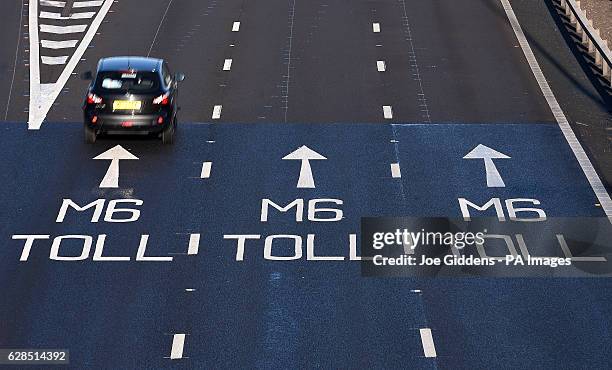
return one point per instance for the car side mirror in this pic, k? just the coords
(179, 77)
(87, 76)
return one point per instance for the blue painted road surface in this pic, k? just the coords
(278, 302)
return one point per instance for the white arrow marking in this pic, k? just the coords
(305, 154)
(494, 179)
(42, 96)
(111, 179)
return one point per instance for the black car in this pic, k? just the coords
(131, 95)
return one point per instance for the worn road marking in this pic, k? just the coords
(8, 101)
(159, 27)
(288, 76)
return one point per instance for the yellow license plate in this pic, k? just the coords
(126, 105)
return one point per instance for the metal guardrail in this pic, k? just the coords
(591, 38)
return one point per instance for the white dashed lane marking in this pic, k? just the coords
(194, 243)
(396, 172)
(381, 66)
(236, 27)
(227, 65)
(429, 349)
(206, 167)
(376, 27)
(217, 112)
(387, 112)
(178, 343)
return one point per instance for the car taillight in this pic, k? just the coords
(93, 99)
(163, 99)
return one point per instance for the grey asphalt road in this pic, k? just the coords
(302, 73)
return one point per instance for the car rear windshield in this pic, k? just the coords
(132, 82)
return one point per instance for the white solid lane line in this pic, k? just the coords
(375, 27)
(217, 112)
(61, 30)
(50, 44)
(236, 27)
(178, 343)
(194, 244)
(396, 172)
(83, 15)
(381, 66)
(587, 167)
(227, 65)
(53, 61)
(206, 167)
(429, 349)
(387, 112)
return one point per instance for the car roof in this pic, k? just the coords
(129, 63)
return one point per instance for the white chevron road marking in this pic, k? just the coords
(62, 30)
(76, 4)
(52, 61)
(66, 44)
(42, 96)
(82, 15)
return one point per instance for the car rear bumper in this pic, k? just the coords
(128, 123)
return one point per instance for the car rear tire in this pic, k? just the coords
(90, 135)
(167, 135)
